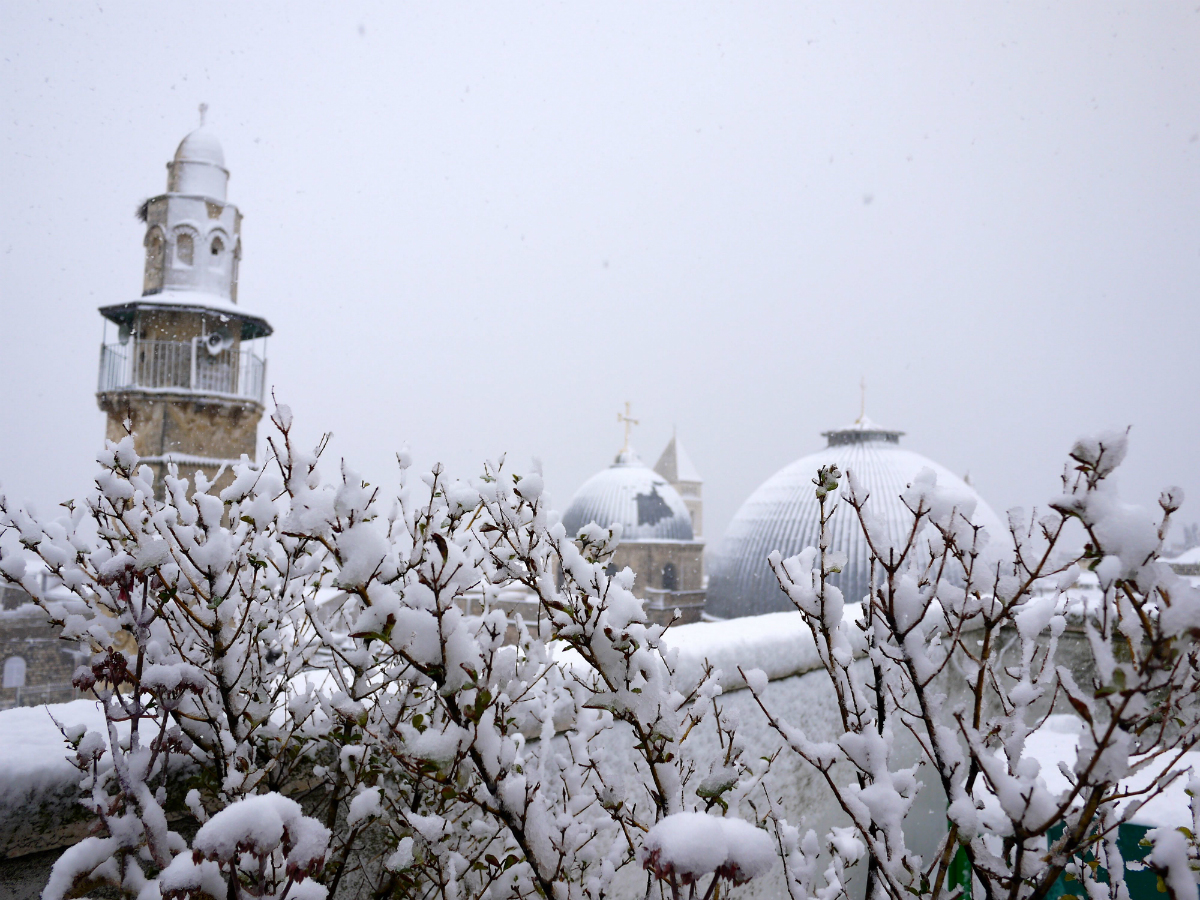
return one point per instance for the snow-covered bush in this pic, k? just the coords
(298, 706)
(961, 637)
(299, 682)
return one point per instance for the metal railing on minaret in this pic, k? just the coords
(182, 366)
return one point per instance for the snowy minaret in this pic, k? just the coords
(187, 368)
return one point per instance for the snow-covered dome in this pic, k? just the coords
(782, 514)
(199, 167)
(629, 492)
(201, 146)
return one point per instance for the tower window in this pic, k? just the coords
(14, 672)
(185, 249)
(670, 578)
(217, 246)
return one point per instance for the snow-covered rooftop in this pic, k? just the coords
(1057, 741)
(39, 788)
(253, 325)
(200, 146)
(640, 499)
(779, 644)
(1186, 558)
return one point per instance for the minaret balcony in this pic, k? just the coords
(182, 367)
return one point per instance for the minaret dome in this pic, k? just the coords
(199, 167)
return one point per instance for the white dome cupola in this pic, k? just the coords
(657, 541)
(634, 495)
(198, 168)
(782, 514)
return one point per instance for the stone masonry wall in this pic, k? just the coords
(649, 558)
(50, 662)
(182, 424)
(183, 325)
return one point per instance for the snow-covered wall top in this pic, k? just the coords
(39, 788)
(778, 643)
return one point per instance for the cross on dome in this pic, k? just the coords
(862, 428)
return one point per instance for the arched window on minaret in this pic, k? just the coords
(216, 248)
(185, 248)
(156, 249)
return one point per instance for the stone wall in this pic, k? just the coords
(199, 430)
(185, 424)
(184, 324)
(650, 561)
(50, 662)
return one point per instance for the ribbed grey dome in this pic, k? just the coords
(645, 504)
(782, 514)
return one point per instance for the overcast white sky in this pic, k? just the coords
(480, 229)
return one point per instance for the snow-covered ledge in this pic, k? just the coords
(778, 643)
(39, 787)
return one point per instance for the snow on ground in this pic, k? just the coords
(1187, 557)
(33, 754)
(778, 643)
(1056, 742)
(39, 788)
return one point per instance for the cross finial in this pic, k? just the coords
(862, 405)
(203, 110)
(628, 419)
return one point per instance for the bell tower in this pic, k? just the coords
(188, 364)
